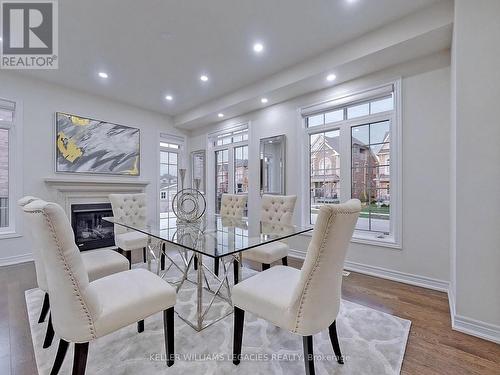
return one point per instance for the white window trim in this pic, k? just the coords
(15, 228)
(396, 157)
(181, 162)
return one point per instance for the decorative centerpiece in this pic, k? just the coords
(189, 204)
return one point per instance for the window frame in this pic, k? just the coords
(394, 239)
(15, 173)
(212, 159)
(175, 140)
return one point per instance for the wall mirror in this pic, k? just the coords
(198, 169)
(272, 165)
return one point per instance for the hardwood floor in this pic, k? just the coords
(433, 347)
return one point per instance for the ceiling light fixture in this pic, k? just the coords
(258, 47)
(204, 78)
(220, 115)
(103, 75)
(169, 98)
(264, 100)
(331, 77)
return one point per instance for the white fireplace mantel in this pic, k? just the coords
(92, 184)
(68, 191)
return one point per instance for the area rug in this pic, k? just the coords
(372, 342)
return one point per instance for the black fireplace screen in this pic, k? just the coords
(91, 231)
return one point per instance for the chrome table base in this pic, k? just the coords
(221, 291)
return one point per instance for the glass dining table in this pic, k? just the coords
(186, 253)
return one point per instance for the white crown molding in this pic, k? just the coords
(16, 259)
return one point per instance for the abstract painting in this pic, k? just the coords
(84, 145)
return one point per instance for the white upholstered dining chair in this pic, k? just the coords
(275, 209)
(97, 263)
(232, 207)
(83, 311)
(304, 301)
(130, 209)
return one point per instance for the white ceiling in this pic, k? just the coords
(158, 47)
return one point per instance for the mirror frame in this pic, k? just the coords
(282, 139)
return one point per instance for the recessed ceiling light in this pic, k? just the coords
(204, 78)
(103, 75)
(258, 47)
(331, 77)
(1, 39)
(264, 100)
(220, 115)
(169, 98)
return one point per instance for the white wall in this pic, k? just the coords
(426, 127)
(476, 125)
(40, 102)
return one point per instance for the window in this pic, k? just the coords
(352, 154)
(370, 175)
(325, 170)
(231, 162)
(4, 178)
(169, 182)
(7, 129)
(221, 176)
(241, 169)
(226, 138)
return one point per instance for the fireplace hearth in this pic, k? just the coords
(91, 231)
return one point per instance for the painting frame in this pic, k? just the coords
(89, 172)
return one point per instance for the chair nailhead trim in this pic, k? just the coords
(69, 271)
(316, 266)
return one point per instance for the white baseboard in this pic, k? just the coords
(16, 259)
(471, 326)
(384, 273)
(402, 277)
(476, 328)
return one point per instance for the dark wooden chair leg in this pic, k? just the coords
(128, 254)
(80, 359)
(61, 353)
(284, 261)
(216, 266)
(45, 308)
(140, 326)
(195, 260)
(265, 266)
(239, 320)
(236, 268)
(308, 354)
(144, 255)
(335, 342)
(168, 330)
(162, 256)
(49, 335)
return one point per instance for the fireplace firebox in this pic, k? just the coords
(91, 231)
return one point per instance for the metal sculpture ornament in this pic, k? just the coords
(188, 205)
